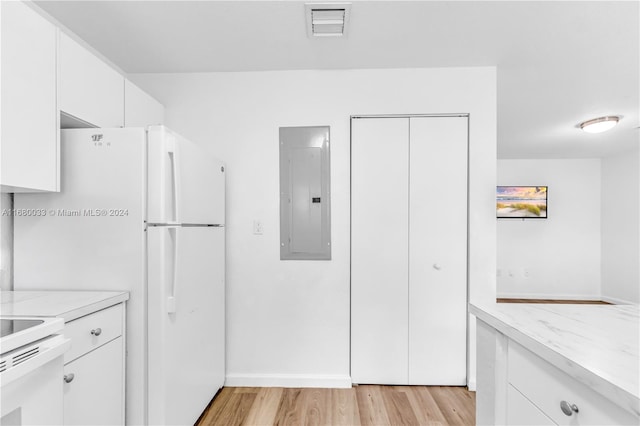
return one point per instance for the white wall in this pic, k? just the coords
(6, 242)
(561, 254)
(288, 321)
(621, 228)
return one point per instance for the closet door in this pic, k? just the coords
(379, 250)
(437, 251)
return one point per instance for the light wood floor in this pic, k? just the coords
(554, 301)
(360, 405)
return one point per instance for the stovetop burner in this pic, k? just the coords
(10, 326)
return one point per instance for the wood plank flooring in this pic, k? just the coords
(360, 405)
(554, 301)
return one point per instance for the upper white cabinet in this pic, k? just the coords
(29, 144)
(90, 90)
(140, 109)
(49, 81)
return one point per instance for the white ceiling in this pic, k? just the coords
(558, 62)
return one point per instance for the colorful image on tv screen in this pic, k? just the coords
(521, 201)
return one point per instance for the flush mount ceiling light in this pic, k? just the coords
(599, 125)
(327, 19)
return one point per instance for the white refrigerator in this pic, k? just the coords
(141, 210)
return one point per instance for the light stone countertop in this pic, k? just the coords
(597, 345)
(63, 304)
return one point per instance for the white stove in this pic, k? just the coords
(18, 331)
(31, 370)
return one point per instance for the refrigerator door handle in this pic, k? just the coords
(171, 299)
(172, 150)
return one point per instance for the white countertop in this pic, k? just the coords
(63, 304)
(598, 345)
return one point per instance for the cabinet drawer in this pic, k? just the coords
(547, 386)
(93, 331)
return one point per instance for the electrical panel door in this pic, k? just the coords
(305, 226)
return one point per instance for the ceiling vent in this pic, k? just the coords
(327, 19)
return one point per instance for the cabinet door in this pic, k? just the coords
(29, 132)
(379, 244)
(438, 251)
(140, 109)
(95, 395)
(90, 90)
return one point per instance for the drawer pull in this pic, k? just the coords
(568, 409)
(68, 378)
(96, 331)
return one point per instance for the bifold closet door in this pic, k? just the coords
(438, 250)
(379, 250)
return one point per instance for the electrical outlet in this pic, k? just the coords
(257, 227)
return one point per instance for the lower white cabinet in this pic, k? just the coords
(517, 387)
(521, 411)
(93, 387)
(94, 382)
(560, 397)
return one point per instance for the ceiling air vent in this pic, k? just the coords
(327, 19)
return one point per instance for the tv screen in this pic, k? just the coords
(521, 202)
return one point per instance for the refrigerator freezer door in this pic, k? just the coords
(183, 180)
(186, 346)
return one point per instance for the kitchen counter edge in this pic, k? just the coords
(68, 305)
(608, 389)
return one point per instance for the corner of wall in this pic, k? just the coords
(620, 233)
(6, 242)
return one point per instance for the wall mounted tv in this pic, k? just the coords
(521, 202)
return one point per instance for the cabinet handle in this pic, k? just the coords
(96, 331)
(437, 266)
(568, 409)
(68, 378)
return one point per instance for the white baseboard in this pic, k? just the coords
(554, 296)
(471, 385)
(617, 301)
(288, 380)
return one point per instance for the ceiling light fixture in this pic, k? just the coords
(327, 19)
(600, 124)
